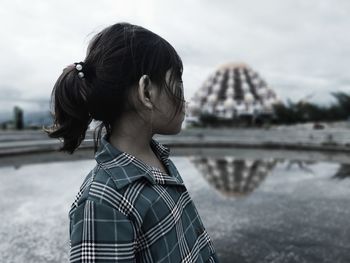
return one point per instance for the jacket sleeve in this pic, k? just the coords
(100, 233)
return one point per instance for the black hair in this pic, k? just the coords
(116, 59)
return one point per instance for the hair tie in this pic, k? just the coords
(79, 68)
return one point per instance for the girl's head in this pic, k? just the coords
(127, 70)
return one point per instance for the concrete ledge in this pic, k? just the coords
(16, 148)
(331, 140)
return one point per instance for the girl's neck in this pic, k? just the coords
(131, 135)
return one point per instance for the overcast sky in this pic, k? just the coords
(299, 47)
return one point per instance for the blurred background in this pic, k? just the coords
(264, 145)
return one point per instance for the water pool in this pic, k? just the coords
(256, 206)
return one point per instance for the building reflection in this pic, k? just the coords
(343, 172)
(231, 176)
(302, 165)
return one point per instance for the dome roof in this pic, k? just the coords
(233, 88)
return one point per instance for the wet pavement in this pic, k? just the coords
(269, 209)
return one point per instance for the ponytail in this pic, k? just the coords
(71, 117)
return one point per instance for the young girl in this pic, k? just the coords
(133, 205)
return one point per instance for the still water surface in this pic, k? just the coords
(255, 209)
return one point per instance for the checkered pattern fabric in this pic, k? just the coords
(129, 211)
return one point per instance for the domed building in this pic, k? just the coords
(234, 93)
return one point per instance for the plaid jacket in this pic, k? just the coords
(128, 211)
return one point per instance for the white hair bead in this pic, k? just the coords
(79, 67)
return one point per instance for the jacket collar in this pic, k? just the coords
(125, 168)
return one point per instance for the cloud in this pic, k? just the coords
(291, 43)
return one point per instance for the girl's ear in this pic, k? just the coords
(144, 91)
